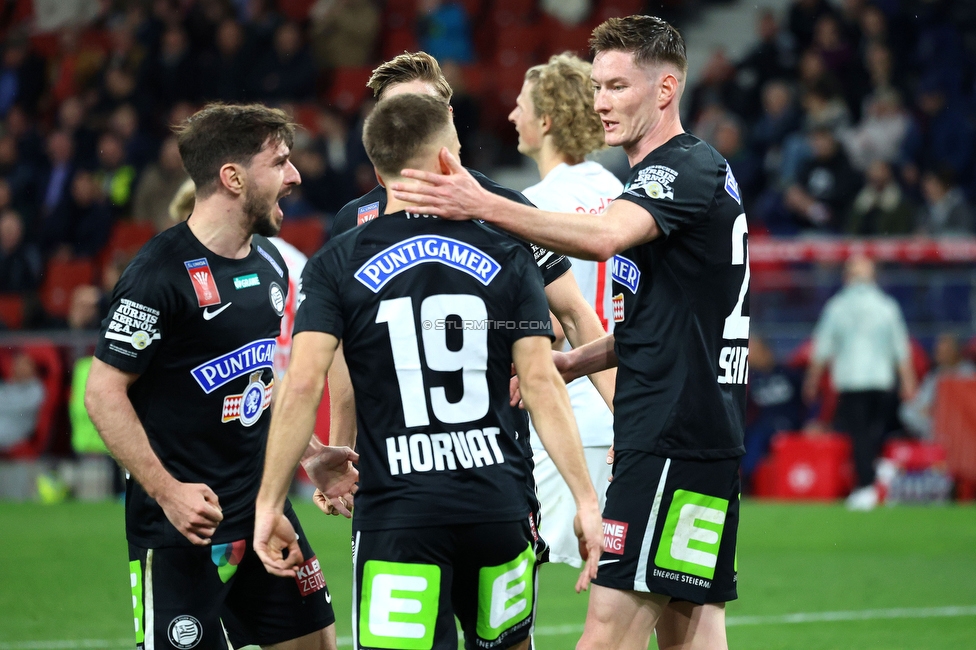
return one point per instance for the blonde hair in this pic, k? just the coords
(406, 67)
(562, 90)
(183, 201)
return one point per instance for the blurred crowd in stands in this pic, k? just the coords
(856, 117)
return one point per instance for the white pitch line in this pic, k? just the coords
(558, 630)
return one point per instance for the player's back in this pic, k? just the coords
(428, 311)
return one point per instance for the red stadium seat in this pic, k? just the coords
(349, 88)
(60, 279)
(307, 234)
(307, 116)
(128, 237)
(50, 369)
(12, 310)
(296, 10)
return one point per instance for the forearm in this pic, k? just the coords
(342, 404)
(548, 403)
(594, 357)
(117, 423)
(292, 424)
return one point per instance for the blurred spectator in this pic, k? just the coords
(941, 135)
(568, 12)
(829, 42)
(52, 227)
(716, 90)
(74, 67)
(802, 19)
(880, 134)
(746, 166)
(21, 396)
(118, 87)
(127, 54)
(173, 73)
(72, 120)
(204, 20)
(862, 336)
(344, 32)
(139, 148)
(467, 113)
(90, 218)
(946, 211)
(443, 30)
(262, 22)
(772, 58)
(825, 185)
(21, 75)
(916, 414)
(20, 261)
(881, 207)
(286, 71)
(30, 144)
(773, 402)
(780, 117)
(114, 174)
(85, 312)
(158, 184)
(825, 108)
(18, 175)
(225, 66)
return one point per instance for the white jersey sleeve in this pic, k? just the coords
(295, 261)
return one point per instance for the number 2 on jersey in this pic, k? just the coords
(733, 360)
(471, 359)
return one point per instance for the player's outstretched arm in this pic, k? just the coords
(342, 403)
(547, 401)
(458, 196)
(192, 508)
(581, 325)
(292, 424)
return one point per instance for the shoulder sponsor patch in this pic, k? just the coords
(271, 260)
(133, 323)
(252, 356)
(245, 281)
(203, 282)
(404, 255)
(625, 272)
(655, 181)
(731, 186)
(367, 213)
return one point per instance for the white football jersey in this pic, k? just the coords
(586, 187)
(295, 261)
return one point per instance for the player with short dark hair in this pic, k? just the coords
(432, 314)
(677, 235)
(181, 381)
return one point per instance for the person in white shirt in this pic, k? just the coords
(557, 127)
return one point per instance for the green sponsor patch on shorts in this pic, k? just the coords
(505, 595)
(245, 281)
(692, 534)
(135, 580)
(398, 607)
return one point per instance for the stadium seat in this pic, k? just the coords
(296, 10)
(60, 279)
(306, 234)
(128, 237)
(50, 369)
(307, 115)
(805, 467)
(12, 310)
(349, 88)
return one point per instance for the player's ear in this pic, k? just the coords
(546, 124)
(232, 178)
(668, 90)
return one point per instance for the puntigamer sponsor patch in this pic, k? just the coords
(404, 255)
(255, 355)
(245, 281)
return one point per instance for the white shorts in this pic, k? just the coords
(558, 507)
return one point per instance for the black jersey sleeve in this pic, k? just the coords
(676, 198)
(320, 309)
(144, 305)
(531, 309)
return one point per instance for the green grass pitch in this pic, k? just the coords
(811, 576)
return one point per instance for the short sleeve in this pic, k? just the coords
(823, 333)
(320, 308)
(143, 307)
(531, 307)
(676, 197)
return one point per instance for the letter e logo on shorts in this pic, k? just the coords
(692, 534)
(505, 595)
(398, 608)
(614, 536)
(184, 632)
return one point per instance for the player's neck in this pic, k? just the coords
(666, 128)
(220, 227)
(548, 158)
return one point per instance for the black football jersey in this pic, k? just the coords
(373, 203)
(428, 311)
(681, 306)
(199, 330)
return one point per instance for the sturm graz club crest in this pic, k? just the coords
(277, 297)
(185, 632)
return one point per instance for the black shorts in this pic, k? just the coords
(185, 597)
(410, 583)
(670, 527)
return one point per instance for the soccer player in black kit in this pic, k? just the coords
(432, 314)
(180, 389)
(677, 236)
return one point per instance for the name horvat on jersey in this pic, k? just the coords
(252, 356)
(655, 181)
(390, 262)
(625, 272)
(422, 452)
